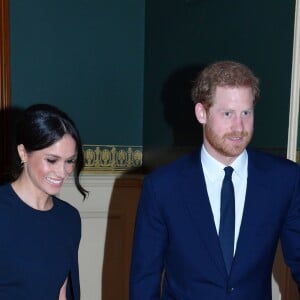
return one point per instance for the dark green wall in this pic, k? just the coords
(86, 57)
(182, 36)
(123, 68)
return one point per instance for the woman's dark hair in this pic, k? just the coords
(42, 125)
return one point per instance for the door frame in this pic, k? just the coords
(295, 87)
(5, 95)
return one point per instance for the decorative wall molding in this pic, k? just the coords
(112, 158)
(132, 159)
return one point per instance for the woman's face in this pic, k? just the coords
(46, 170)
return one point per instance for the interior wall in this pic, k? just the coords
(87, 57)
(123, 69)
(108, 217)
(184, 36)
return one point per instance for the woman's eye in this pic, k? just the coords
(71, 161)
(51, 161)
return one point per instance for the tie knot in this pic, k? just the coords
(228, 172)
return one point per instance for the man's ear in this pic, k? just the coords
(200, 113)
(22, 153)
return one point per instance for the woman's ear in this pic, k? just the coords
(200, 113)
(22, 153)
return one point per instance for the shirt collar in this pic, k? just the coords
(214, 169)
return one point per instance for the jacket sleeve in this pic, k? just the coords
(290, 236)
(149, 246)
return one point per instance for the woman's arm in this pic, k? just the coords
(63, 291)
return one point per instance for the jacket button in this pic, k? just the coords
(230, 290)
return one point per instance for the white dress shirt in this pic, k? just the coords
(214, 175)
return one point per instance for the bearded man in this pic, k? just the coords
(210, 221)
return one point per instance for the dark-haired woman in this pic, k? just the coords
(39, 233)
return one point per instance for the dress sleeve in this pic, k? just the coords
(73, 286)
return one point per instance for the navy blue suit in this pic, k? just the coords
(175, 232)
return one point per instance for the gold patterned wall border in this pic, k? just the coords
(112, 158)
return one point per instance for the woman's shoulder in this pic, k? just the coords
(5, 188)
(7, 194)
(68, 216)
(65, 207)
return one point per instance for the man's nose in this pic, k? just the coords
(237, 124)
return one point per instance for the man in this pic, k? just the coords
(206, 248)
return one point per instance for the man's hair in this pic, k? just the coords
(222, 74)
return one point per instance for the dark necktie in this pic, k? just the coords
(227, 221)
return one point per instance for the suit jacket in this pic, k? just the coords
(175, 233)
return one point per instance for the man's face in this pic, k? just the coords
(228, 124)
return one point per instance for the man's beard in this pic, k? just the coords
(225, 147)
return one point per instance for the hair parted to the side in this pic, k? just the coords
(223, 73)
(42, 125)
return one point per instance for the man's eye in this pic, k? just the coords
(246, 113)
(227, 113)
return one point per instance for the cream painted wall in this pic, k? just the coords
(94, 214)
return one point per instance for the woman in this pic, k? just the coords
(40, 233)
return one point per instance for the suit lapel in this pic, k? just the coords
(194, 193)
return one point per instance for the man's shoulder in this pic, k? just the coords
(177, 166)
(268, 159)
